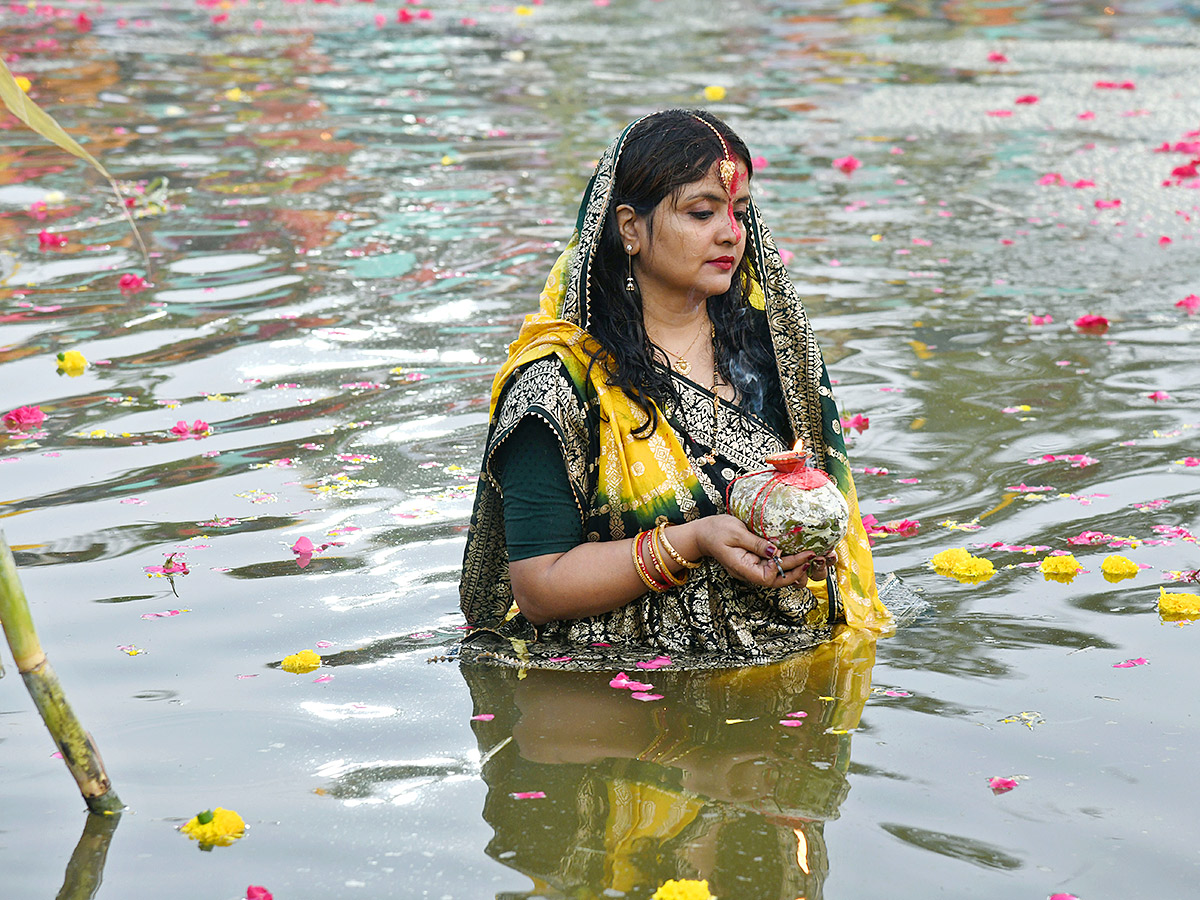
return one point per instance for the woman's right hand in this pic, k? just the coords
(745, 555)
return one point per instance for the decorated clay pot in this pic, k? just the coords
(791, 505)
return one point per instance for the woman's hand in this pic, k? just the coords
(750, 558)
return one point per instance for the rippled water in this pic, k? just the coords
(357, 218)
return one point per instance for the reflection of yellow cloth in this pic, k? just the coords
(638, 813)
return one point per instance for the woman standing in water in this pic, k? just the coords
(670, 355)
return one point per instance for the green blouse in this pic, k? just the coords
(540, 512)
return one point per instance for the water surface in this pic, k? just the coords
(356, 219)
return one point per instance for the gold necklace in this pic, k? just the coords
(681, 365)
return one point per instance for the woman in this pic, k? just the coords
(670, 355)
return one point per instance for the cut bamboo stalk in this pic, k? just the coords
(78, 749)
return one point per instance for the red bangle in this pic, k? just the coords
(643, 571)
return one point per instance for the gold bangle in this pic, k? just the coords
(662, 566)
(643, 572)
(661, 531)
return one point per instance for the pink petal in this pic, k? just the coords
(483, 717)
(658, 662)
(302, 545)
(528, 795)
(1130, 663)
(645, 697)
(623, 682)
(1001, 785)
(847, 164)
(791, 723)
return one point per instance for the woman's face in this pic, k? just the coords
(697, 240)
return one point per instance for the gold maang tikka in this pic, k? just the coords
(726, 168)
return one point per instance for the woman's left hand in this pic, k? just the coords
(803, 567)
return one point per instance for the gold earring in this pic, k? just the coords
(630, 284)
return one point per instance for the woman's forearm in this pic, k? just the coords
(587, 580)
(598, 577)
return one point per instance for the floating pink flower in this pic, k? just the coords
(1041, 320)
(1191, 461)
(50, 239)
(1063, 897)
(659, 662)
(1092, 324)
(1052, 178)
(1086, 115)
(645, 697)
(847, 164)
(1107, 204)
(303, 548)
(1077, 460)
(1190, 303)
(859, 423)
(1027, 99)
(24, 418)
(624, 682)
(1159, 395)
(131, 284)
(38, 210)
(483, 717)
(526, 795)
(197, 429)
(1115, 85)
(258, 892)
(999, 113)
(997, 57)
(1130, 663)
(1083, 183)
(1002, 785)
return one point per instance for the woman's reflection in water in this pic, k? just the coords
(705, 783)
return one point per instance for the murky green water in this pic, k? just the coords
(356, 221)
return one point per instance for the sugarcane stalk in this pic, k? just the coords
(78, 749)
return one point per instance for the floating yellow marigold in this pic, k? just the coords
(959, 564)
(713, 94)
(683, 889)
(304, 661)
(215, 828)
(1060, 568)
(72, 363)
(1178, 605)
(1117, 568)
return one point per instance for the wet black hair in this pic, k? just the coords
(663, 153)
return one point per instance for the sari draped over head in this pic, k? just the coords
(624, 483)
